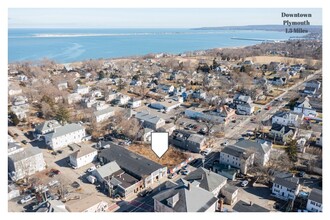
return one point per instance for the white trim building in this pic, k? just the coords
(65, 135)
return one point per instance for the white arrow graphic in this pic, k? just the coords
(159, 143)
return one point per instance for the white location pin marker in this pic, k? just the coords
(159, 143)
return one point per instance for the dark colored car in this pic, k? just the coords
(146, 192)
(301, 174)
(24, 141)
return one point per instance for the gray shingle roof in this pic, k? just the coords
(194, 199)
(47, 125)
(208, 180)
(290, 183)
(26, 153)
(247, 144)
(103, 111)
(235, 151)
(107, 169)
(145, 116)
(129, 161)
(242, 206)
(316, 195)
(66, 129)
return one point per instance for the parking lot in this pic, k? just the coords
(257, 194)
(67, 176)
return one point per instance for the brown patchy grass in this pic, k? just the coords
(268, 59)
(171, 158)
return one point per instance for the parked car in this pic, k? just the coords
(185, 172)
(172, 175)
(91, 169)
(301, 174)
(206, 151)
(24, 141)
(53, 183)
(244, 183)
(145, 192)
(59, 151)
(26, 199)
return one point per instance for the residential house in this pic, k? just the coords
(242, 206)
(62, 85)
(91, 203)
(314, 202)
(146, 136)
(198, 94)
(46, 127)
(184, 197)
(20, 111)
(116, 181)
(104, 114)
(100, 105)
(74, 98)
(261, 149)
(19, 100)
(14, 90)
(285, 188)
(122, 99)
(313, 84)
(13, 191)
(65, 135)
(165, 88)
(82, 90)
(241, 99)
(14, 147)
(134, 103)
(187, 141)
(83, 156)
(287, 118)
(134, 164)
(237, 157)
(279, 81)
(167, 105)
(169, 128)
(245, 109)
(230, 194)
(226, 113)
(111, 96)
(25, 163)
(149, 120)
(282, 133)
(303, 106)
(88, 102)
(207, 180)
(319, 141)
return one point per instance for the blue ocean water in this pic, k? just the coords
(69, 45)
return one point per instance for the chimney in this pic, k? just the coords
(251, 203)
(189, 186)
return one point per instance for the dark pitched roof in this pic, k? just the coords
(278, 127)
(290, 183)
(316, 195)
(242, 206)
(236, 151)
(130, 161)
(208, 180)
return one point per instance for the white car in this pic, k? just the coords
(53, 183)
(26, 199)
(91, 169)
(244, 183)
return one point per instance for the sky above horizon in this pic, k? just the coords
(151, 18)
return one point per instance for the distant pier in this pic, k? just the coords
(252, 39)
